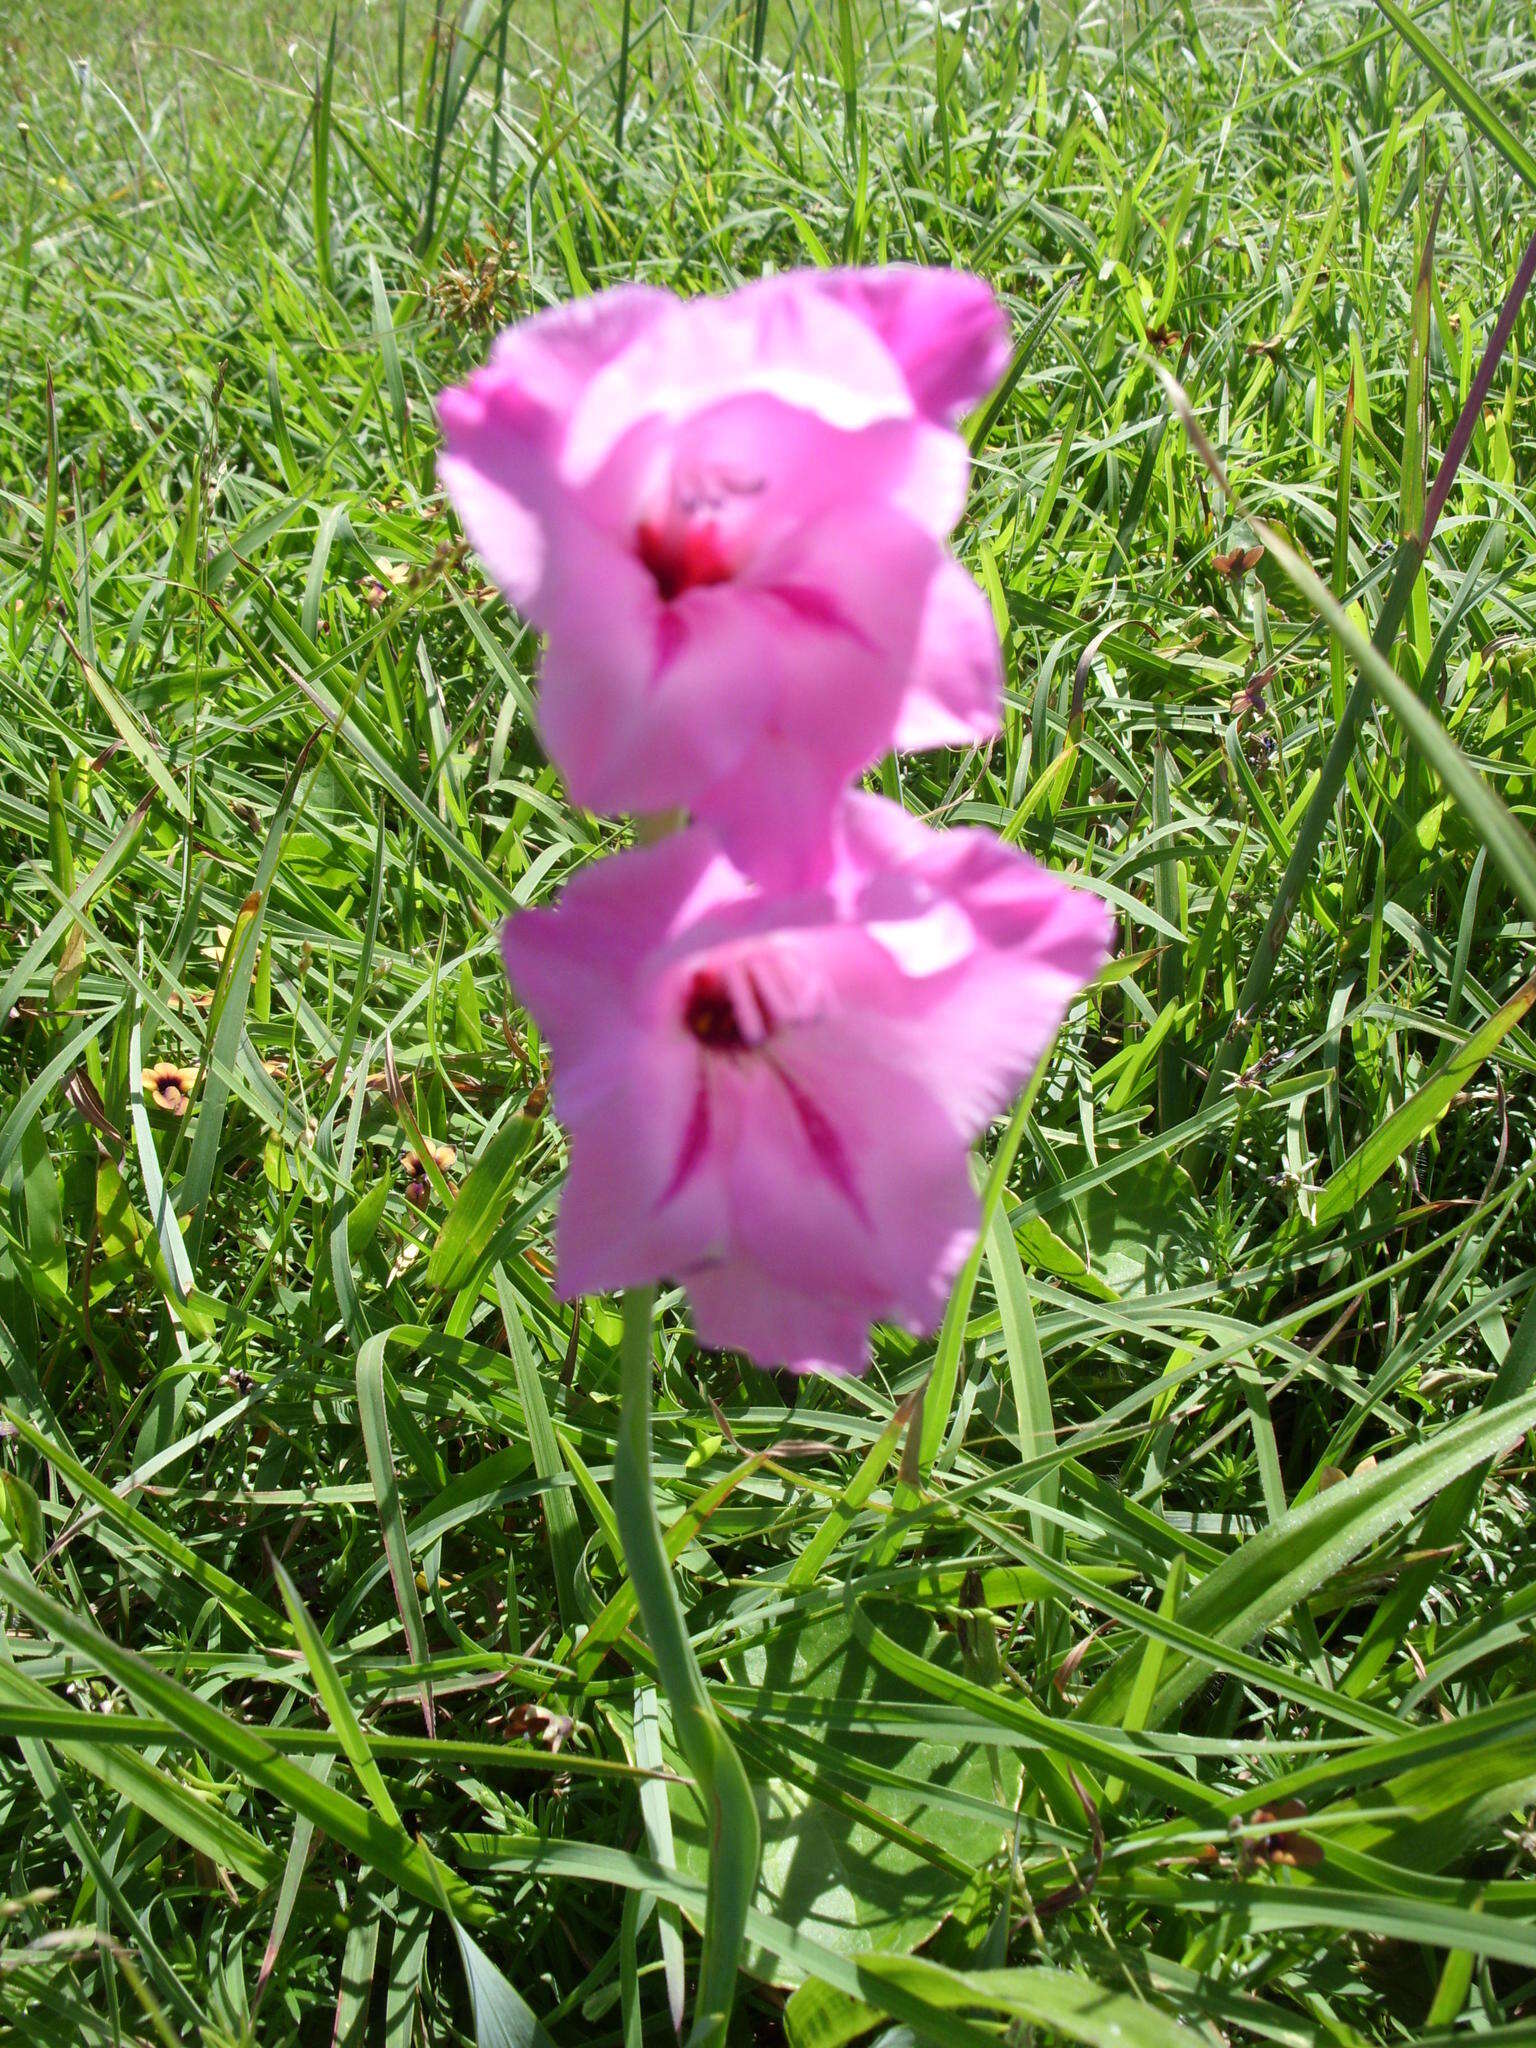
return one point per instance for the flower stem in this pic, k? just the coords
(735, 1838)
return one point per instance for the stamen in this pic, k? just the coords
(682, 558)
(710, 1014)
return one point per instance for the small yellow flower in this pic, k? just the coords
(169, 1087)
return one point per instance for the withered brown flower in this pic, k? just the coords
(418, 1188)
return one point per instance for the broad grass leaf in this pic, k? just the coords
(503, 2018)
(378, 1846)
(480, 1204)
(1147, 1231)
(1425, 1818)
(1067, 2006)
(1262, 1580)
(21, 1516)
(827, 1871)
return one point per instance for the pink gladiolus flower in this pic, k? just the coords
(771, 1096)
(728, 516)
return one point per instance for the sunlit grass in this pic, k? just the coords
(1182, 1643)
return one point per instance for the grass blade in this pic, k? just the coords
(734, 1833)
(1462, 92)
(373, 1414)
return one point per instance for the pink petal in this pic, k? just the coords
(727, 516)
(779, 339)
(643, 704)
(944, 328)
(627, 1216)
(853, 1182)
(750, 702)
(955, 691)
(991, 947)
(774, 812)
(503, 430)
(579, 967)
(483, 468)
(831, 619)
(799, 465)
(736, 1308)
(552, 357)
(801, 1165)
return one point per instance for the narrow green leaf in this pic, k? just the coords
(1416, 414)
(503, 2019)
(1463, 92)
(389, 349)
(320, 161)
(251, 1612)
(1273, 1572)
(1403, 1129)
(480, 1205)
(374, 1416)
(735, 1835)
(380, 1847)
(559, 1508)
(333, 1697)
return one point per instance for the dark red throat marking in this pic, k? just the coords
(680, 561)
(711, 1016)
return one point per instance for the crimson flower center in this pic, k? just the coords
(680, 558)
(710, 1014)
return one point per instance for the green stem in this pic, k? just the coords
(735, 1838)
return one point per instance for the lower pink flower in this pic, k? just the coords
(771, 1097)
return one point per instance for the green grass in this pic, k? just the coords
(323, 1714)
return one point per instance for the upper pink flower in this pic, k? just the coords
(771, 1097)
(728, 516)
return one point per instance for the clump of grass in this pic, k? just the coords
(1171, 1661)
